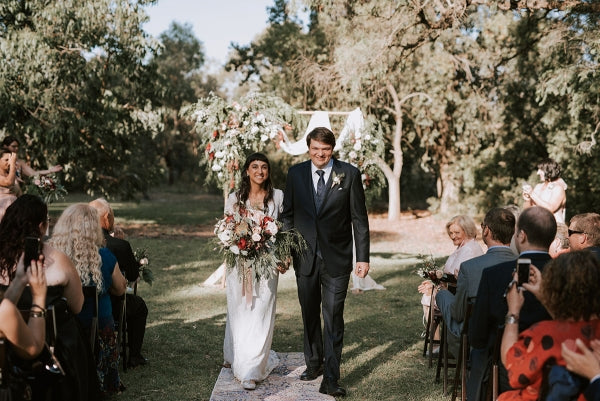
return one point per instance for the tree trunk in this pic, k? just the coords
(449, 195)
(393, 182)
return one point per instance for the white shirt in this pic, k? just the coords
(315, 177)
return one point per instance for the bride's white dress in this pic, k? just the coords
(249, 328)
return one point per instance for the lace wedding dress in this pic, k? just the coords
(249, 327)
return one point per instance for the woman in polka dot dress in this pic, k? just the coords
(569, 291)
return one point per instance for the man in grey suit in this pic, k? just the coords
(324, 200)
(497, 230)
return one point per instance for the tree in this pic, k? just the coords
(73, 89)
(273, 57)
(180, 82)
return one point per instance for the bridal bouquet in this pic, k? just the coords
(253, 240)
(47, 187)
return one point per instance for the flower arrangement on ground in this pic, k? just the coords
(47, 187)
(141, 256)
(253, 241)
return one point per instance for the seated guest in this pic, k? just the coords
(28, 217)
(497, 230)
(560, 244)
(585, 363)
(26, 338)
(569, 290)
(79, 235)
(136, 309)
(462, 231)
(584, 233)
(536, 229)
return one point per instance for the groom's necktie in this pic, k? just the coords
(320, 189)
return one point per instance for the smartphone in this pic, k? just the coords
(523, 271)
(32, 250)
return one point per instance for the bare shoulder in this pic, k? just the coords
(57, 260)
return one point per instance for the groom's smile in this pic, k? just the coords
(320, 153)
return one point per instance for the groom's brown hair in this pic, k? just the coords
(321, 134)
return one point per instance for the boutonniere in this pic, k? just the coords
(337, 180)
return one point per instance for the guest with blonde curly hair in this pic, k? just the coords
(78, 234)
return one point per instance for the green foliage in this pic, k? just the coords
(71, 91)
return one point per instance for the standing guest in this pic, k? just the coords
(136, 311)
(550, 193)
(584, 233)
(560, 244)
(536, 229)
(9, 189)
(463, 233)
(586, 363)
(569, 290)
(79, 235)
(28, 217)
(497, 230)
(324, 200)
(23, 169)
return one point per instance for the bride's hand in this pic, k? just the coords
(284, 266)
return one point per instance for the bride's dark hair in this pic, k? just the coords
(244, 191)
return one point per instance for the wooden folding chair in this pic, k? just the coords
(463, 356)
(445, 359)
(492, 391)
(121, 328)
(91, 292)
(434, 319)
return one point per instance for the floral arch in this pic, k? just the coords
(228, 132)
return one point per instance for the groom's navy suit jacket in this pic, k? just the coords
(343, 210)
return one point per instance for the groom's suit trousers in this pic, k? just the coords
(322, 292)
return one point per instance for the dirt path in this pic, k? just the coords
(412, 234)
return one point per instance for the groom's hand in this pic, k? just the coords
(362, 269)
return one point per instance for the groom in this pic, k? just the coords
(325, 202)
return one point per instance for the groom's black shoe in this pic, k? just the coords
(311, 373)
(331, 388)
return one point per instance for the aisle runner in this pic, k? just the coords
(283, 384)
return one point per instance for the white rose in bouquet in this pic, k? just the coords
(272, 227)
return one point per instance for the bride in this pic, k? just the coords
(251, 313)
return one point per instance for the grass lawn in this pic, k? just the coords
(381, 359)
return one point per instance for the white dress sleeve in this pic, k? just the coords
(230, 202)
(277, 203)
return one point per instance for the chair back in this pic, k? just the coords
(3, 362)
(91, 292)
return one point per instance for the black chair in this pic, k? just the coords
(434, 318)
(91, 292)
(445, 359)
(120, 317)
(463, 356)
(492, 390)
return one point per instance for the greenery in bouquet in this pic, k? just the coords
(141, 256)
(253, 241)
(46, 186)
(429, 270)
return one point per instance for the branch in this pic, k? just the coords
(533, 5)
